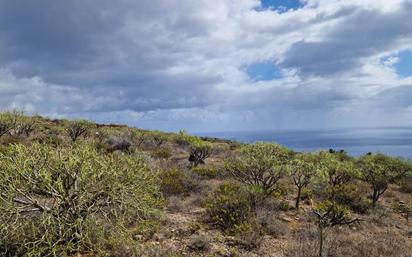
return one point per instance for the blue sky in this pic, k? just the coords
(263, 71)
(282, 5)
(218, 65)
(404, 65)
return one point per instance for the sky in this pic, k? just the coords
(210, 65)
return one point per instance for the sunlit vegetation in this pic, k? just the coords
(76, 188)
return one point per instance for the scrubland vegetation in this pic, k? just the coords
(75, 188)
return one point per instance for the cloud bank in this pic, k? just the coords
(171, 64)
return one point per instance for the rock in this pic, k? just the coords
(286, 219)
(138, 237)
(199, 243)
(159, 237)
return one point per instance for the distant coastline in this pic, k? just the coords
(396, 141)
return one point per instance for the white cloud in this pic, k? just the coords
(170, 64)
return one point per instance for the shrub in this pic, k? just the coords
(184, 139)
(8, 121)
(199, 152)
(406, 185)
(175, 181)
(58, 201)
(24, 125)
(349, 195)
(194, 227)
(139, 137)
(206, 172)
(119, 143)
(307, 194)
(77, 129)
(270, 224)
(282, 189)
(51, 137)
(307, 244)
(284, 206)
(343, 244)
(329, 214)
(260, 165)
(162, 152)
(199, 243)
(155, 138)
(405, 209)
(250, 235)
(10, 140)
(384, 244)
(228, 206)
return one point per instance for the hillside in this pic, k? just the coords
(76, 188)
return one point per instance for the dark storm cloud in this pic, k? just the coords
(344, 47)
(177, 63)
(116, 52)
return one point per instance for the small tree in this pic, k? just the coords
(139, 138)
(260, 165)
(338, 171)
(380, 170)
(199, 152)
(303, 168)
(77, 129)
(329, 214)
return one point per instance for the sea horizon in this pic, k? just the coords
(395, 141)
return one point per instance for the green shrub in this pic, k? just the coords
(155, 139)
(61, 201)
(8, 121)
(284, 206)
(25, 125)
(76, 129)
(307, 194)
(260, 165)
(51, 137)
(206, 172)
(162, 152)
(176, 181)
(330, 214)
(199, 152)
(173, 181)
(405, 209)
(184, 139)
(10, 140)
(350, 196)
(228, 206)
(249, 234)
(282, 189)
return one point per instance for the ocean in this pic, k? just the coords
(395, 141)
